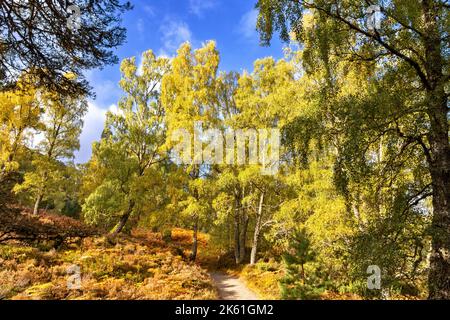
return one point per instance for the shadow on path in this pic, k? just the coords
(231, 287)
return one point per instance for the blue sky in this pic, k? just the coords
(162, 25)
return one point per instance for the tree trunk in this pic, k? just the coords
(243, 236)
(236, 230)
(229, 233)
(257, 230)
(41, 193)
(37, 204)
(439, 275)
(194, 240)
(123, 220)
(243, 225)
(438, 156)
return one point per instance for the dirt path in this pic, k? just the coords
(231, 288)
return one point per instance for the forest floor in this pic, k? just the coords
(130, 267)
(238, 282)
(231, 287)
(141, 265)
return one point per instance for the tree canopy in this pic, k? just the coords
(35, 36)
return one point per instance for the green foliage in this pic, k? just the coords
(129, 154)
(364, 132)
(20, 112)
(380, 102)
(61, 127)
(297, 282)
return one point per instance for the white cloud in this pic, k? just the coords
(106, 91)
(198, 7)
(247, 25)
(115, 109)
(140, 26)
(94, 122)
(174, 33)
(149, 10)
(36, 137)
(140, 67)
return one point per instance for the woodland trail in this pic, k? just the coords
(231, 287)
